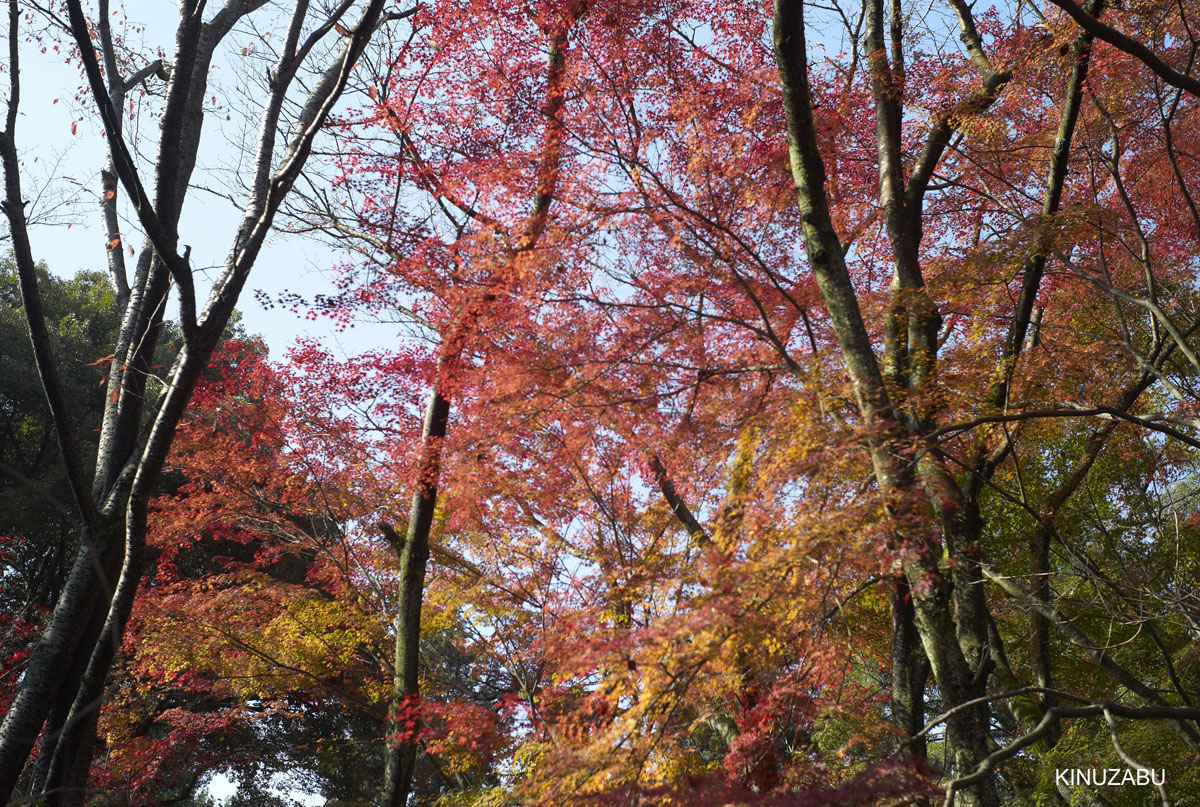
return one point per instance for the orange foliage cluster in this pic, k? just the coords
(657, 548)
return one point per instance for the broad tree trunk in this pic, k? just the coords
(48, 667)
(104, 583)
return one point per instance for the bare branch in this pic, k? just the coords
(164, 240)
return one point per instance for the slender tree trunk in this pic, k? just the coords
(400, 757)
(1039, 626)
(1040, 659)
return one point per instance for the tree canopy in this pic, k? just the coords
(789, 404)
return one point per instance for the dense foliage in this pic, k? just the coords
(769, 421)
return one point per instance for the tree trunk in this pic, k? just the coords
(400, 757)
(910, 668)
(49, 666)
(57, 724)
(932, 593)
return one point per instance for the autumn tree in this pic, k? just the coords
(466, 269)
(541, 372)
(264, 617)
(896, 385)
(961, 228)
(65, 676)
(771, 428)
(258, 624)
